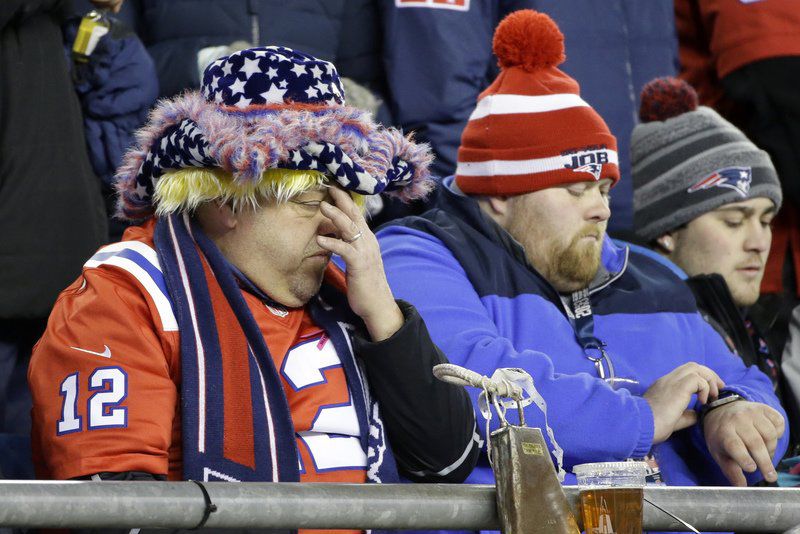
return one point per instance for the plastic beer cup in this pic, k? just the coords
(611, 496)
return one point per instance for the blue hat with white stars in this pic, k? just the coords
(265, 108)
(271, 75)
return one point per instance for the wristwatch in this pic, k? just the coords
(725, 397)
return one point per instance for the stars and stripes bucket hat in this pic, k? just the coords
(265, 108)
(531, 129)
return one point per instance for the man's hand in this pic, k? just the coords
(669, 397)
(113, 5)
(742, 436)
(368, 291)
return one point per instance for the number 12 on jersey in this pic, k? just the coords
(107, 388)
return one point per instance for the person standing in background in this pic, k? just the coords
(117, 85)
(53, 216)
(183, 37)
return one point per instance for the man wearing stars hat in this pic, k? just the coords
(217, 341)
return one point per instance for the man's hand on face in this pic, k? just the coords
(113, 5)
(742, 436)
(670, 395)
(368, 291)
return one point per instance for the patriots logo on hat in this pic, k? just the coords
(736, 178)
(592, 168)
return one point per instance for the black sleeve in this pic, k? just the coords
(715, 303)
(430, 424)
(17, 11)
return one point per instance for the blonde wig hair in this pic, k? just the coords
(186, 189)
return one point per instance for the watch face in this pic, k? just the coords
(724, 400)
(716, 403)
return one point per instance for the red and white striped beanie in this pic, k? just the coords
(531, 129)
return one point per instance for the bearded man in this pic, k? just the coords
(512, 268)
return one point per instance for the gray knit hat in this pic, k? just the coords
(688, 161)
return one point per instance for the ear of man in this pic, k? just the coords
(498, 208)
(217, 218)
(665, 244)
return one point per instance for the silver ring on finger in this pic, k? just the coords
(354, 238)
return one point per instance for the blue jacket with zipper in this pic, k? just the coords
(487, 308)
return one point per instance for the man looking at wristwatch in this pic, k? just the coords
(704, 199)
(518, 272)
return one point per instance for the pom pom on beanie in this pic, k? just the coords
(665, 98)
(529, 40)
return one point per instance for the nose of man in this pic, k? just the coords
(758, 238)
(598, 211)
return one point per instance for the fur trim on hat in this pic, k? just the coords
(246, 142)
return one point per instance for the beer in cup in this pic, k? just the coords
(611, 496)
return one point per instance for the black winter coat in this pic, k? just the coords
(52, 216)
(345, 32)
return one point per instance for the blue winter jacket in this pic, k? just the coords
(487, 308)
(345, 32)
(117, 87)
(438, 58)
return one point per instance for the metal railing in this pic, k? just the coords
(356, 506)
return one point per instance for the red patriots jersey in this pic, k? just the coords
(319, 400)
(106, 375)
